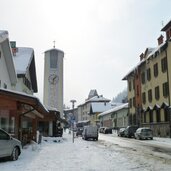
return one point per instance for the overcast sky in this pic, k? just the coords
(101, 39)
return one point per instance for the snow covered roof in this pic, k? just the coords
(149, 52)
(154, 50)
(22, 59)
(100, 107)
(3, 35)
(97, 99)
(52, 108)
(117, 108)
(166, 26)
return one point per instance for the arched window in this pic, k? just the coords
(151, 115)
(158, 117)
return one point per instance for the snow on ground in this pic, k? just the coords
(62, 154)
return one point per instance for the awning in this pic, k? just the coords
(23, 98)
(164, 105)
(156, 107)
(149, 108)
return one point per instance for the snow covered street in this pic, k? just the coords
(102, 155)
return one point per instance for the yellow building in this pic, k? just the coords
(155, 79)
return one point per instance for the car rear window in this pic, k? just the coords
(146, 130)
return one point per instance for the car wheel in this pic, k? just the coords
(15, 154)
(151, 138)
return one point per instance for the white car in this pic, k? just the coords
(9, 146)
(143, 133)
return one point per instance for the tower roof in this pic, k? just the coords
(54, 49)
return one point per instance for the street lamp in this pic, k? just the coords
(169, 109)
(73, 102)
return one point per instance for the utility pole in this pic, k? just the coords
(73, 102)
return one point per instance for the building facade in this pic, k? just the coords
(88, 110)
(149, 97)
(117, 117)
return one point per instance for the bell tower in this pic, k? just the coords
(53, 79)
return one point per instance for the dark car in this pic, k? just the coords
(107, 130)
(101, 129)
(130, 130)
(121, 132)
(79, 131)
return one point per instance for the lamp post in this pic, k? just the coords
(169, 109)
(73, 102)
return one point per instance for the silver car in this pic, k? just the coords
(143, 133)
(9, 146)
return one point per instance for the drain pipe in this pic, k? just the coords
(169, 108)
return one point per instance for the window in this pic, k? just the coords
(134, 84)
(137, 90)
(167, 35)
(143, 77)
(129, 85)
(166, 115)
(150, 95)
(27, 83)
(5, 86)
(144, 117)
(164, 64)
(53, 59)
(134, 101)
(157, 93)
(3, 135)
(151, 115)
(130, 119)
(134, 119)
(130, 103)
(158, 115)
(165, 89)
(155, 67)
(144, 98)
(3, 123)
(148, 74)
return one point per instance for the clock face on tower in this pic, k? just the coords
(53, 78)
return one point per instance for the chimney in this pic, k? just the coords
(167, 29)
(141, 57)
(160, 40)
(13, 47)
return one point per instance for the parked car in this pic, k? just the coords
(9, 146)
(129, 131)
(101, 129)
(143, 133)
(79, 131)
(90, 132)
(121, 132)
(107, 130)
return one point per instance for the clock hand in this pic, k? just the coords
(54, 78)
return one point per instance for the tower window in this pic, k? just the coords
(164, 64)
(53, 59)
